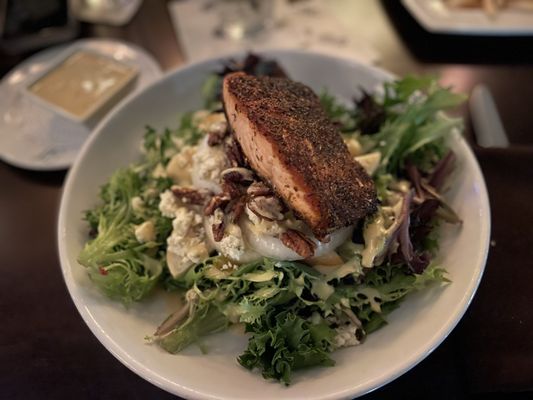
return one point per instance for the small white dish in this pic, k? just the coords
(415, 329)
(34, 135)
(436, 17)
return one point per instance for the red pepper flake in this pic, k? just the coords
(103, 271)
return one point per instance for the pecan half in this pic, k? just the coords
(217, 201)
(234, 153)
(238, 175)
(298, 242)
(218, 231)
(258, 189)
(219, 226)
(232, 190)
(235, 209)
(267, 207)
(189, 195)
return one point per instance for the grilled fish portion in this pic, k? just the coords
(290, 142)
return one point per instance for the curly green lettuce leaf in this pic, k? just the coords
(159, 147)
(415, 119)
(117, 263)
(384, 287)
(275, 300)
(283, 342)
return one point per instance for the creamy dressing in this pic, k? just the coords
(373, 296)
(83, 82)
(377, 231)
(322, 289)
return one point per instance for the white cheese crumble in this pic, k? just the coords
(346, 335)
(145, 232)
(168, 204)
(179, 166)
(208, 163)
(228, 266)
(186, 244)
(137, 204)
(232, 244)
(178, 142)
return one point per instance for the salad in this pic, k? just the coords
(195, 218)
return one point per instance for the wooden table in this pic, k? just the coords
(46, 351)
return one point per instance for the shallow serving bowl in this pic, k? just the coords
(421, 323)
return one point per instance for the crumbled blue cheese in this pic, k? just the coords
(184, 221)
(186, 244)
(179, 166)
(168, 204)
(145, 232)
(137, 204)
(232, 244)
(346, 336)
(150, 193)
(228, 266)
(208, 164)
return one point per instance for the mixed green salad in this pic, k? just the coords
(149, 230)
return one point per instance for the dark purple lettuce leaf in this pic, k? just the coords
(370, 114)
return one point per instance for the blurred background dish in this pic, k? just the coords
(206, 28)
(111, 12)
(471, 17)
(27, 25)
(36, 136)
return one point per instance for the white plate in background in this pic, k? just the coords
(415, 329)
(436, 17)
(34, 136)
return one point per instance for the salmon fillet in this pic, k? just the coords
(291, 143)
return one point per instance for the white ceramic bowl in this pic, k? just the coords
(414, 330)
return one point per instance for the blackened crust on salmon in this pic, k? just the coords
(291, 143)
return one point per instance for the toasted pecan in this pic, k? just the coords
(190, 195)
(297, 241)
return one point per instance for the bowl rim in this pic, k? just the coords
(175, 387)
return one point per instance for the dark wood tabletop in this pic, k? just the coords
(46, 351)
